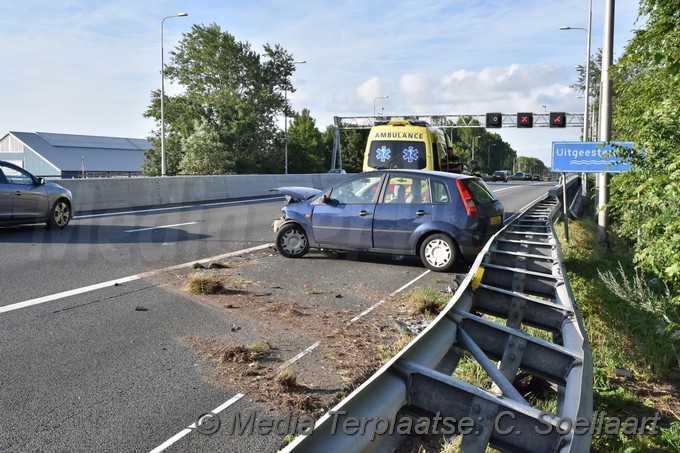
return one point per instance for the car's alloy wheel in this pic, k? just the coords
(291, 241)
(60, 215)
(439, 253)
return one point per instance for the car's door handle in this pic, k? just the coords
(364, 213)
(17, 193)
(422, 212)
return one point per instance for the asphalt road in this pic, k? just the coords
(89, 365)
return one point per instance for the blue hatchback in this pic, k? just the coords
(438, 216)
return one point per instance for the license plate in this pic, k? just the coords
(495, 220)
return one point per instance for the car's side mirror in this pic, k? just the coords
(328, 200)
(41, 181)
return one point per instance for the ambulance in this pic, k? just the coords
(406, 144)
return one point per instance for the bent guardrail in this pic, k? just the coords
(514, 314)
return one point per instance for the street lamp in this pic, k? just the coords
(587, 87)
(473, 145)
(163, 164)
(379, 97)
(285, 124)
(488, 155)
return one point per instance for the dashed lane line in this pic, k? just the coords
(97, 286)
(192, 427)
(289, 362)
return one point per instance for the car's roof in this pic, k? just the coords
(438, 174)
(10, 164)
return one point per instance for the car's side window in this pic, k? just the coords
(440, 192)
(16, 177)
(402, 189)
(357, 191)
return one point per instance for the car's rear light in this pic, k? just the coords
(468, 201)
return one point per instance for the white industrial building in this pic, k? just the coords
(66, 156)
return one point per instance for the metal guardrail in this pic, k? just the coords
(514, 297)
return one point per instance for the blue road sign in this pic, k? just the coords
(586, 157)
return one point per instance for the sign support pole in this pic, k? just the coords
(566, 207)
(605, 122)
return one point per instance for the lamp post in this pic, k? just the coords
(285, 125)
(587, 87)
(379, 97)
(488, 155)
(163, 163)
(473, 145)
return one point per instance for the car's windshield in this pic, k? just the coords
(361, 190)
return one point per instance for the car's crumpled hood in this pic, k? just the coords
(297, 193)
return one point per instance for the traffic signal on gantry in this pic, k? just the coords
(525, 120)
(494, 120)
(558, 119)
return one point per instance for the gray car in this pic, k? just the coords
(25, 198)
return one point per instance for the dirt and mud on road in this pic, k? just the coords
(297, 335)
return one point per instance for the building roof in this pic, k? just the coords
(106, 154)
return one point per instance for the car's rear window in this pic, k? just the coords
(480, 191)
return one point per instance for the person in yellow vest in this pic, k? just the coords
(476, 170)
(453, 163)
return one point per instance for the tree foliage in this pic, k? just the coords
(489, 148)
(594, 77)
(231, 97)
(204, 154)
(647, 112)
(352, 148)
(306, 150)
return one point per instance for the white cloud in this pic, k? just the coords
(90, 66)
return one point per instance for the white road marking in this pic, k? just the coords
(159, 227)
(216, 411)
(377, 304)
(188, 430)
(192, 427)
(87, 289)
(299, 356)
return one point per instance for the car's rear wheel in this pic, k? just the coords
(60, 215)
(439, 253)
(291, 241)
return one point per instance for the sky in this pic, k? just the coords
(89, 66)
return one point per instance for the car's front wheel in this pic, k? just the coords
(291, 241)
(60, 215)
(439, 253)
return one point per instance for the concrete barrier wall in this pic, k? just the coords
(122, 193)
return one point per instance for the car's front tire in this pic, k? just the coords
(60, 214)
(292, 241)
(439, 253)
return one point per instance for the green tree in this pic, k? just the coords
(204, 154)
(305, 145)
(594, 86)
(352, 148)
(490, 150)
(646, 111)
(229, 88)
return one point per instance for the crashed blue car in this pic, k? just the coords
(440, 217)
